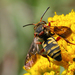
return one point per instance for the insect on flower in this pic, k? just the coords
(50, 45)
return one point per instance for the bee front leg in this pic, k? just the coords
(42, 32)
(38, 34)
(49, 24)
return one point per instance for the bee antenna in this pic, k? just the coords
(44, 13)
(28, 25)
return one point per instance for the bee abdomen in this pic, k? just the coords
(52, 48)
(56, 54)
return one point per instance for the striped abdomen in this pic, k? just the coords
(52, 48)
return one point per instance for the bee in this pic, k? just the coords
(45, 32)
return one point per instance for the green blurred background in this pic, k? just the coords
(14, 39)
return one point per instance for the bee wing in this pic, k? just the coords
(34, 49)
(62, 31)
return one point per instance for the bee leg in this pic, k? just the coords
(41, 51)
(41, 33)
(38, 42)
(58, 38)
(36, 34)
(68, 41)
(46, 57)
(49, 24)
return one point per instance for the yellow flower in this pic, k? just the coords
(51, 73)
(43, 66)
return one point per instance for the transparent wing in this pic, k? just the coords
(31, 55)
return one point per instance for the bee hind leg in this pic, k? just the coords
(44, 55)
(58, 38)
(69, 42)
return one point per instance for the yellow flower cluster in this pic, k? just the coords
(43, 66)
